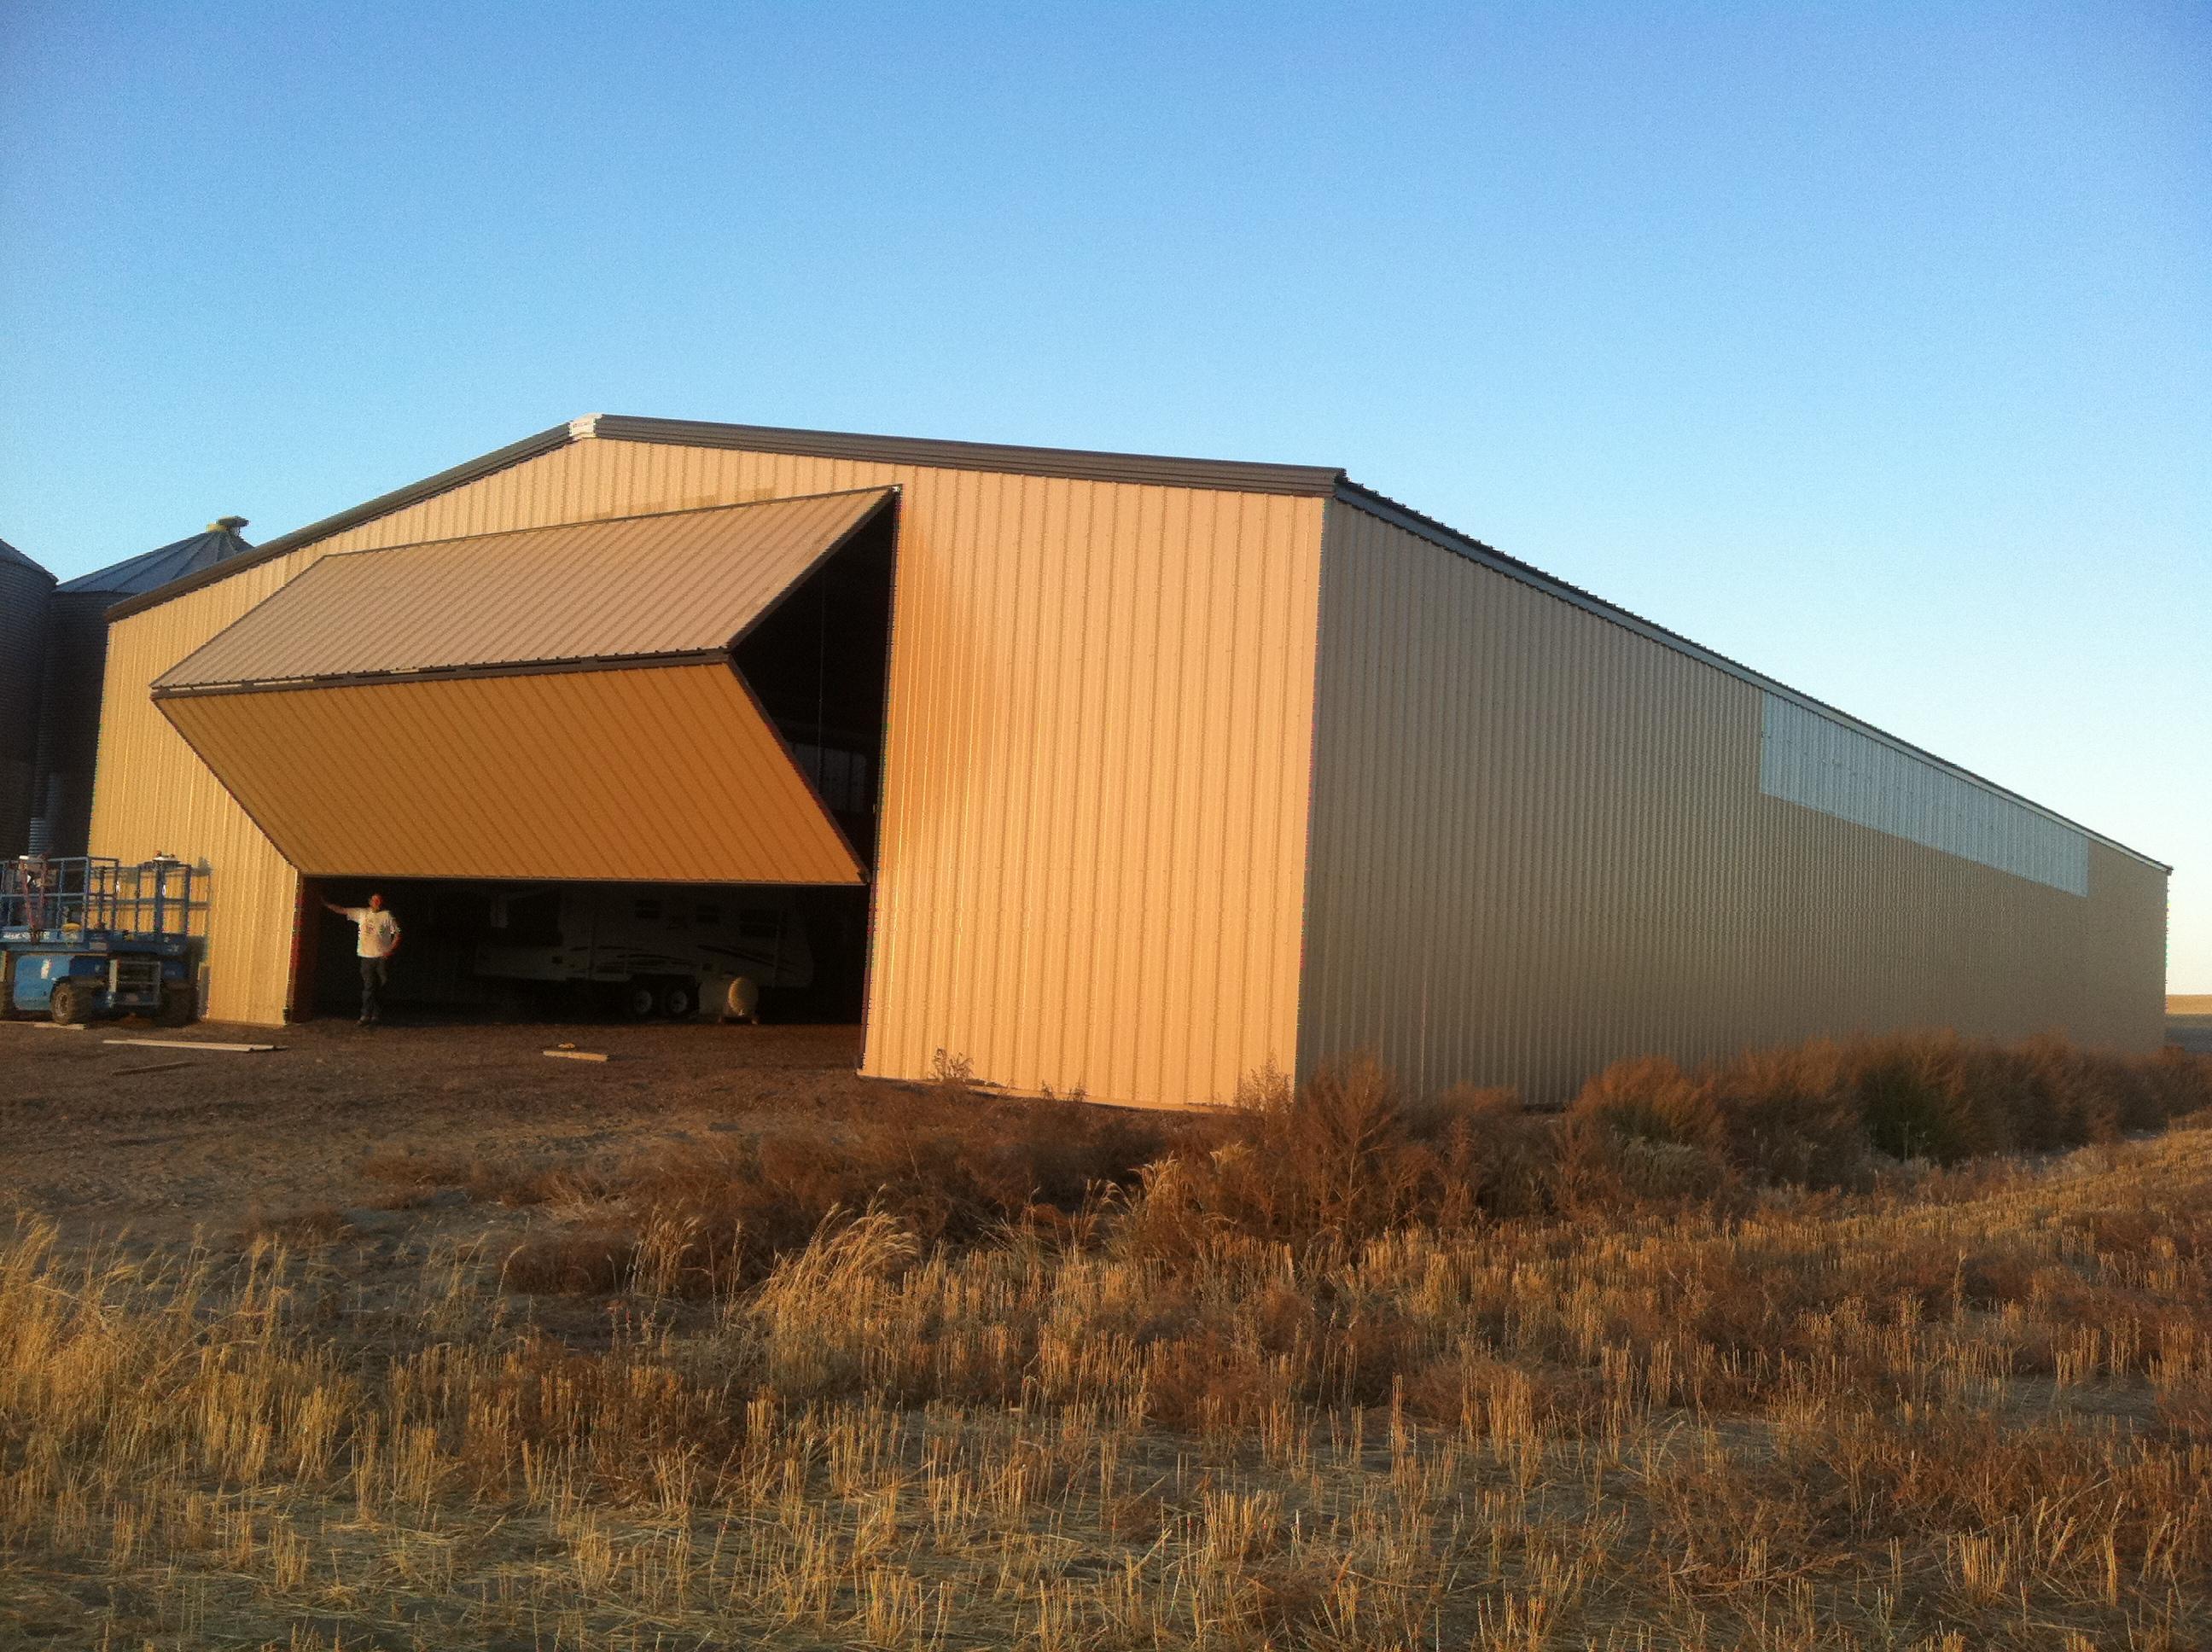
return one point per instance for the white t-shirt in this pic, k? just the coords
(380, 932)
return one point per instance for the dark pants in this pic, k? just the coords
(375, 973)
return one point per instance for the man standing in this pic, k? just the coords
(379, 939)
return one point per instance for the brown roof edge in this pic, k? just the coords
(1437, 533)
(1229, 476)
(414, 493)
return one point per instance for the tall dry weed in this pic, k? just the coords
(1345, 1158)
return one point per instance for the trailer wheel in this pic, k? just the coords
(678, 1000)
(639, 1000)
(72, 1003)
(743, 1003)
(180, 1005)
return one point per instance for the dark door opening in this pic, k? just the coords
(528, 951)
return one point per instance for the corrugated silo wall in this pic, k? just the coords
(1542, 842)
(1096, 775)
(25, 593)
(68, 722)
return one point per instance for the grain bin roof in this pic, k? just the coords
(13, 558)
(678, 585)
(151, 570)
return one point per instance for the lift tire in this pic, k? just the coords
(180, 1005)
(72, 1004)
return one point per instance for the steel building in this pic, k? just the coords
(1143, 772)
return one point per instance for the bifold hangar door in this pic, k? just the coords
(555, 703)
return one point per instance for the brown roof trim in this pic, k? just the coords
(568, 666)
(1437, 533)
(545, 441)
(1230, 475)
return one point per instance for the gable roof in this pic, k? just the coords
(1151, 468)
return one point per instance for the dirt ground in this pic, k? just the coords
(163, 1145)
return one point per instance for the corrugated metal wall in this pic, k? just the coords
(1096, 771)
(1809, 758)
(25, 591)
(1540, 842)
(68, 724)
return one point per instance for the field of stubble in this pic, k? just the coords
(1120, 1384)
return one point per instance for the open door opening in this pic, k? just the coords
(519, 952)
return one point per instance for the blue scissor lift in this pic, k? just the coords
(83, 936)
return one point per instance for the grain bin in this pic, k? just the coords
(76, 662)
(25, 591)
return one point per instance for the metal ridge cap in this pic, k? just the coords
(1450, 538)
(1236, 475)
(499, 458)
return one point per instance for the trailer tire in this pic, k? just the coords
(742, 1001)
(180, 1005)
(638, 999)
(72, 1005)
(679, 999)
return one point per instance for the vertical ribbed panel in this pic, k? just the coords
(1809, 758)
(1540, 843)
(668, 774)
(1093, 838)
(25, 589)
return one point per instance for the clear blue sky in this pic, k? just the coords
(1872, 346)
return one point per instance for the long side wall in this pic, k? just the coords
(1540, 842)
(1096, 775)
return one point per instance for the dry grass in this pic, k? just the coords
(1941, 1408)
(1827, 1114)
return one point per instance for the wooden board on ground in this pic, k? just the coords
(191, 1044)
(577, 1055)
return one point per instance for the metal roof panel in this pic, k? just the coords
(680, 583)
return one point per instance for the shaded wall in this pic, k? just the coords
(1541, 842)
(69, 728)
(26, 593)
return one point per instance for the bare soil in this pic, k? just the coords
(167, 1145)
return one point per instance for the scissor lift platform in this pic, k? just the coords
(84, 936)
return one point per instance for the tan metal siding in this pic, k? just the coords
(659, 775)
(1540, 843)
(687, 582)
(1096, 770)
